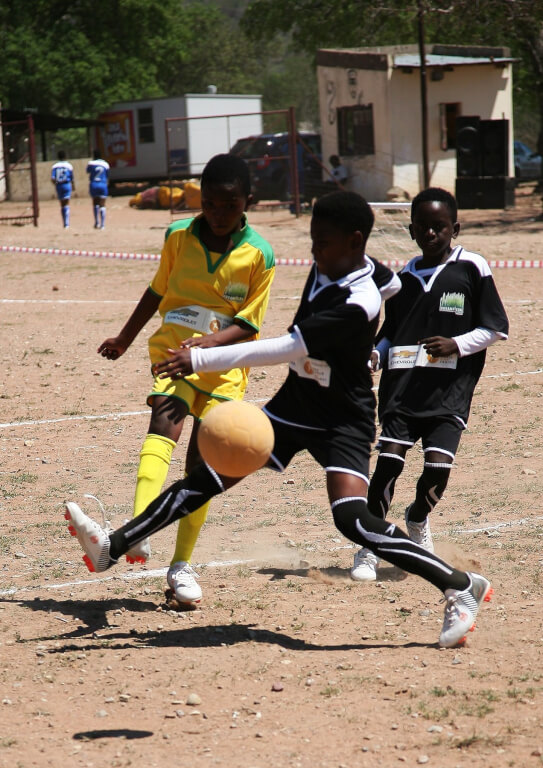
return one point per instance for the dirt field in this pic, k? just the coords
(288, 663)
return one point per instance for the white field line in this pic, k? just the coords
(93, 301)
(67, 301)
(132, 576)
(120, 415)
(103, 417)
(514, 373)
(72, 418)
(157, 572)
(495, 526)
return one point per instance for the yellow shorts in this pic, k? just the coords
(197, 402)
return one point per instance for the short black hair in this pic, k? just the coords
(61, 154)
(435, 195)
(227, 169)
(96, 154)
(348, 211)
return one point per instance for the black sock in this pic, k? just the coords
(353, 518)
(430, 488)
(381, 490)
(180, 499)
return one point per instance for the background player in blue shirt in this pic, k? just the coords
(62, 176)
(325, 406)
(98, 171)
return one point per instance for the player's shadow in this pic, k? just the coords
(91, 613)
(214, 636)
(332, 573)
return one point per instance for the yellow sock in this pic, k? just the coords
(188, 530)
(155, 457)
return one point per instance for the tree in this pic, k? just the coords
(76, 57)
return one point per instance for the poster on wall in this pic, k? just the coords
(115, 138)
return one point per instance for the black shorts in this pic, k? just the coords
(343, 448)
(438, 433)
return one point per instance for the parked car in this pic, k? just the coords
(268, 159)
(527, 162)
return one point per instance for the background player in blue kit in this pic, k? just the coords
(62, 176)
(98, 171)
(432, 348)
(326, 406)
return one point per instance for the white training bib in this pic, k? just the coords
(198, 319)
(310, 368)
(411, 355)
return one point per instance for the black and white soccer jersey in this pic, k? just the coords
(384, 278)
(337, 321)
(459, 296)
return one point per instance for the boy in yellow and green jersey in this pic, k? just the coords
(211, 288)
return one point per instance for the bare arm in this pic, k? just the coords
(115, 346)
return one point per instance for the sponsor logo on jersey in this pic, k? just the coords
(312, 368)
(236, 292)
(452, 302)
(198, 319)
(400, 358)
(414, 355)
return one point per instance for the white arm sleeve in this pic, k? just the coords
(475, 341)
(282, 349)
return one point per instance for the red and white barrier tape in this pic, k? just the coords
(495, 264)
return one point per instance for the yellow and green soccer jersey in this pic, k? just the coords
(202, 292)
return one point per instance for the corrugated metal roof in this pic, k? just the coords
(45, 122)
(432, 60)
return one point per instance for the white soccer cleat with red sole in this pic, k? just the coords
(461, 610)
(91, 536)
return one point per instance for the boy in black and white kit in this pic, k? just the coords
(326, 406)
(432, 348)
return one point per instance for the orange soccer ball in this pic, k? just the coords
(235, 438)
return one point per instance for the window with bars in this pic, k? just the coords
(447, 124)
(355, 130)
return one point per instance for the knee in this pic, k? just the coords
(348, 513)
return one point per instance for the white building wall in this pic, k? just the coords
(150, 157)
(481, 89)
(218, 134)
(371, 174)
(199, 139)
